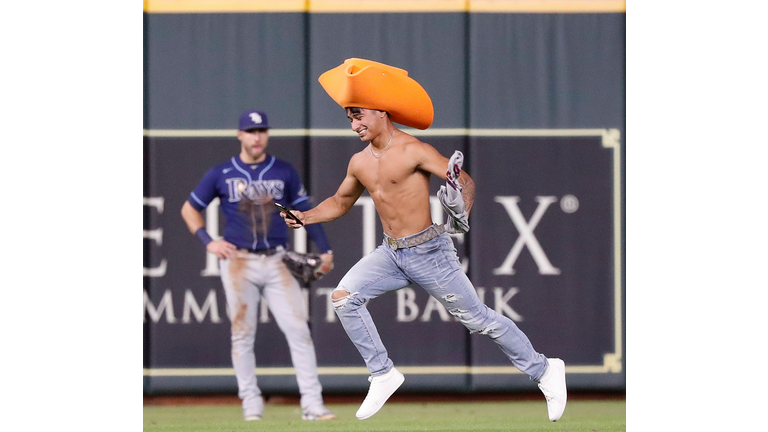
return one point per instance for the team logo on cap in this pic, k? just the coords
(256, 118)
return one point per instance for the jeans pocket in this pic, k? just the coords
(427, 248)
(450, 253)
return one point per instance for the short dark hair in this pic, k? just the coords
(358, 110)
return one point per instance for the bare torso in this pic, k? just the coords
(398, 186)
(395, 168)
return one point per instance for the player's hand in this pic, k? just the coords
(290, 222)
(327, 263)
(222, 249)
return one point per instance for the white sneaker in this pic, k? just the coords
(552, 384)
(252, 417)
(319, 413)
(380, 390)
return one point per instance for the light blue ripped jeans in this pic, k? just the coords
(434, 266)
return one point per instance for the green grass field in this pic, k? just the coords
(580, 416)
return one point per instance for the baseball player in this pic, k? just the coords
(395, 168)
(250, 259)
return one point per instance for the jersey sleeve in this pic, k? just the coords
(205, 191)
(315, 231)
(297, 198)
(295, 191)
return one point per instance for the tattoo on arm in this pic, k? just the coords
(468, 191)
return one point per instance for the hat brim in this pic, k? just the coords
(368, 84)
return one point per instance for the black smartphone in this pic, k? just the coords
(288, 212)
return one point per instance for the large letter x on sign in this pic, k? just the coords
(527, 238)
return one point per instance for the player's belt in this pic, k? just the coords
(267, 252)
(416, 239)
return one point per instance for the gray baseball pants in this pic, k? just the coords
(246, 279)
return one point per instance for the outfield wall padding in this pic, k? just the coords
(535, 102)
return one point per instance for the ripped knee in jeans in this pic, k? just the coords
(339, 298)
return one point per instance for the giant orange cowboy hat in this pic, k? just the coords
(368, 84)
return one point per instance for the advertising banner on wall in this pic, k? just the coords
(543, 249)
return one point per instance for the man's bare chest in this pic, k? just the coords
(385, 176)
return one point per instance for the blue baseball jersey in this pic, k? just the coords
(246, 192)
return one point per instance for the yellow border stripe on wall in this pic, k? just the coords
(224, 6)
(383, 6)
(353, 6)
(548, 6)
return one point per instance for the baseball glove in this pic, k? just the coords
(306, 267)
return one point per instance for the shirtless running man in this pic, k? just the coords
(395, 168)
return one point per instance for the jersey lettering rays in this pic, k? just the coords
(259, 190)
(247, 191)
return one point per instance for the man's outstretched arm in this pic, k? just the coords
(333, 207)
